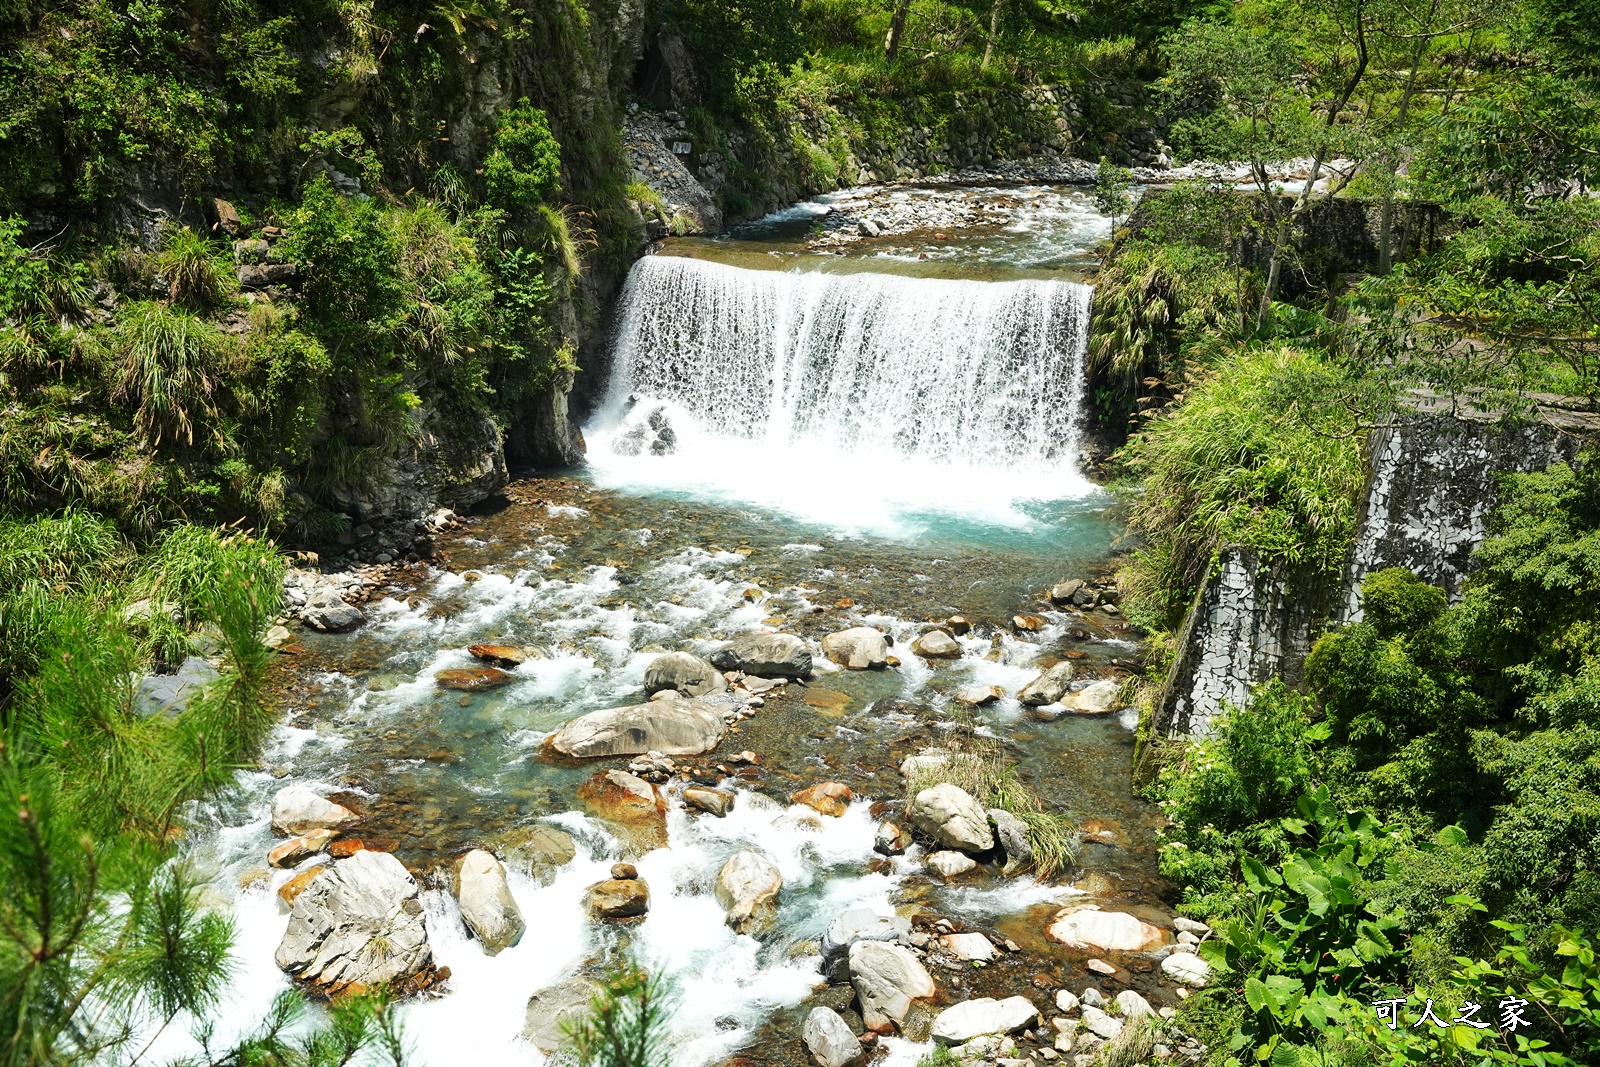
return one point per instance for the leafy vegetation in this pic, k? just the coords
(626, 1025)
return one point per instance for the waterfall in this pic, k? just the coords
(955, 392)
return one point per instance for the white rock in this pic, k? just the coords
(1099, 1023)
(948, 865)
(486, 903)
(950, 816)
(1097, 698)
(887, 978)
(829, 1039)
(859, 648)
(1131, 1004)
(1066, 1001)
(1092, 997)
(1112, 931)
(973, 946)
(985, 1015)
(1188, 968)
(747, 888)
(862, 924)
(929, 759)
(296, 809)
(1186, 925)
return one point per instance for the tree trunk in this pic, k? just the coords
(897, 26)
(994, 32)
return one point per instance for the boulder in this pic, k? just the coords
(891, 839)
(1049, 687)
(618, 898)
(549, 1009)
(1099, 1023)
(360, 926)
(977, 696)
(949, 865)
(1011, 833)
(473, 679)
(936, 644)
(706, 799)
(861, 924)
(825, 798)
(1131, 1004)
(972, 946)
(536, 850)
(507, 656)
(1188, 969)
(683, 673)
(747, 887)
(296, 809)
(1063, 592)
(1097, 698)
(859, 648)
(962, 1022)
(949, 815)
(887, 978)
(296, 849)
(1066, 1001)
(830, 1041)
(929, 759)
(670, 727)
(1113, 931)
(325, 610)
(486, 904)
(1186, 925)
(169, 694)
(630, 803)
(766, 655)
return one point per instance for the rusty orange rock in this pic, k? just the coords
(827, 798)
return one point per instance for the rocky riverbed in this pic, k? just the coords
(421, 773)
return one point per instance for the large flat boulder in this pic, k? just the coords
(486, 903)
(171, 694)
(1111, 931)
(671, 727)
(549, 1009)
(684, 673)
(766, 655)
(887, 978)
(1096, 698)
(960, 1023)
(948, 814)
(859, 648)
(360, 926)
(862, 924)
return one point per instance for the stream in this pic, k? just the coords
(802, 431)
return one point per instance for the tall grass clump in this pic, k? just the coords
(169, 366)
(43, 561)
(976, 765)
(1252, 459)
(188, 261)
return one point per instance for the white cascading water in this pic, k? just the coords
(854, 399)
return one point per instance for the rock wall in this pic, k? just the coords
(1249, 623)
(1431, 486)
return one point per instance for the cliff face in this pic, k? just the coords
(1431, 486)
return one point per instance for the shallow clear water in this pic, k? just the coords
(608, 569)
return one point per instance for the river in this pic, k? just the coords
(802, 431)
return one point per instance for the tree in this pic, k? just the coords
(897, 26)
(1111, 187)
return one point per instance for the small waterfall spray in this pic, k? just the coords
(950, 393)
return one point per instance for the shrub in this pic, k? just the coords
(523, 167)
